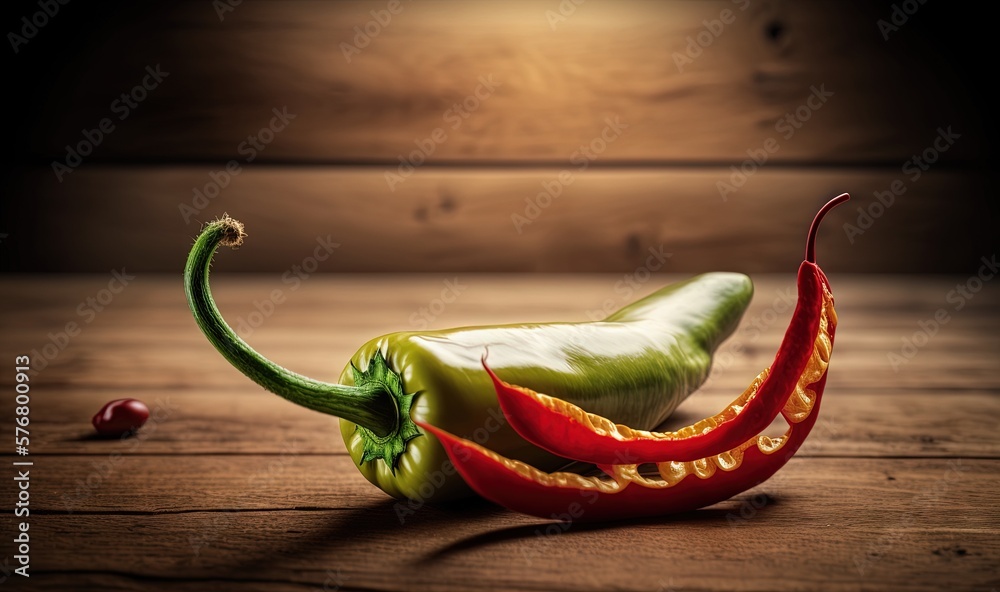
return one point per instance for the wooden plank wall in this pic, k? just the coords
(668, 95)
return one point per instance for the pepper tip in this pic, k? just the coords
(428, 428)
(811, 237)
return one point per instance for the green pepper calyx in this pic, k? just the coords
(378, 376)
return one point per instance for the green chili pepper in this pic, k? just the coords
(634, 368)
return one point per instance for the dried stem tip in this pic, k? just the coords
(232, 231)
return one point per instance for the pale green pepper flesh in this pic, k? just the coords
(635, 368)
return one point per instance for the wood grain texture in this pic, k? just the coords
(933, 525)
(231, 488)
(447, 219)
(296, 481)
(554, 85)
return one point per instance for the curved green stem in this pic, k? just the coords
(369, 406)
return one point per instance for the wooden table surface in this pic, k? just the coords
(232, 488)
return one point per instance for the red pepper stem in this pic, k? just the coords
(811, 239)
(370, 405)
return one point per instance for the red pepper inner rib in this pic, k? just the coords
(569, 431)
(682, 486)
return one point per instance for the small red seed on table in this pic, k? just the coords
(120, 417)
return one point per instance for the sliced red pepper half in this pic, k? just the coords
(705, 474)
(567, 430)
(625, 493)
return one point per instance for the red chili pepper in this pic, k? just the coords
(567, 430)
(702, 464)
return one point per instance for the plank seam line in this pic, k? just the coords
(154, 578)
(965, 165)
(338, 454)
(178, 512)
